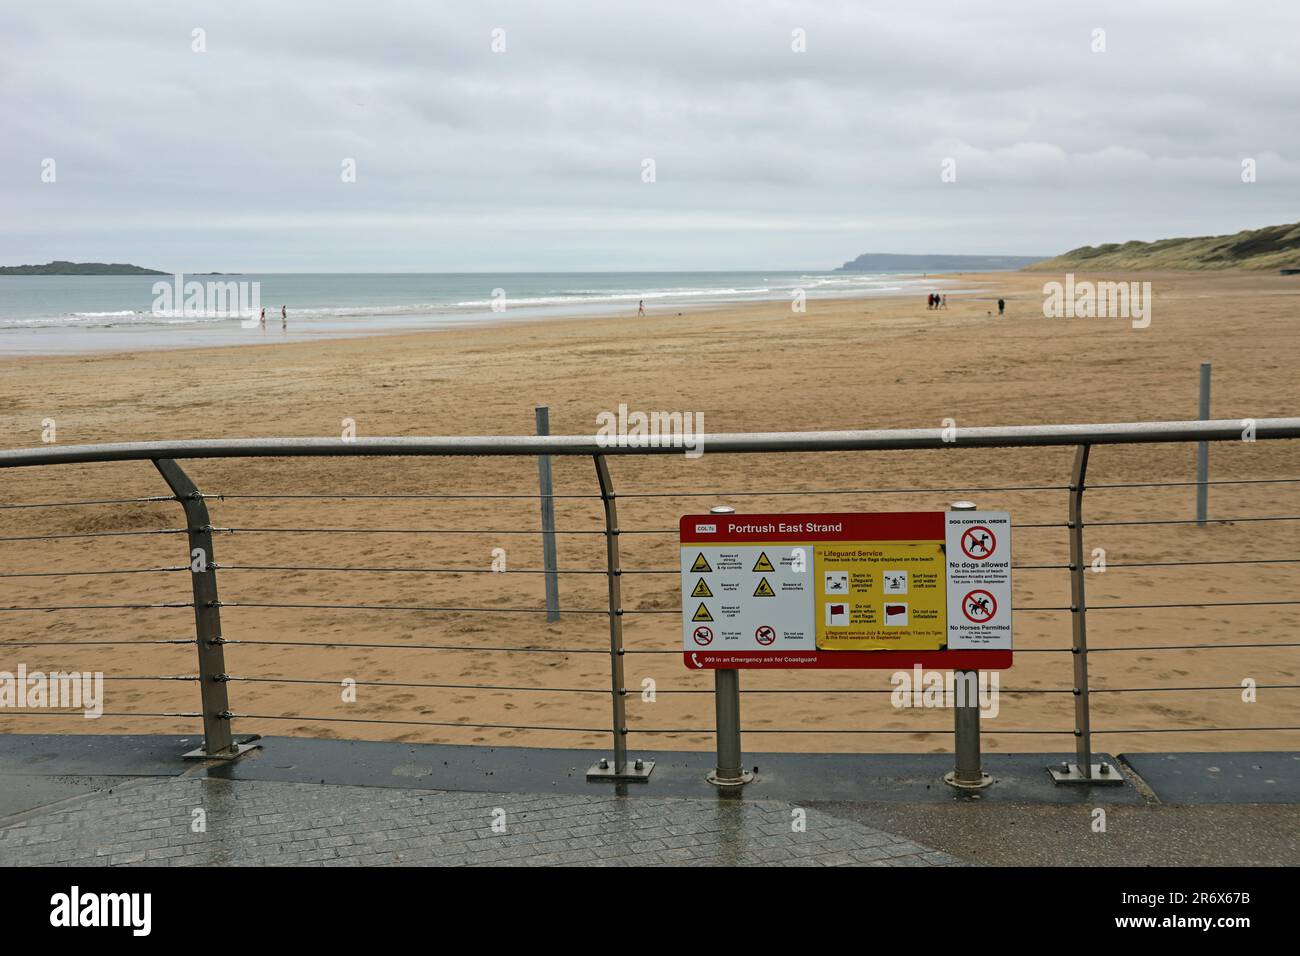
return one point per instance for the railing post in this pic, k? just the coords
(967, 772)
(546, 487)
(218, 741)
(1203, 452)
(727, 771)
(602, 770)
(1083, 770)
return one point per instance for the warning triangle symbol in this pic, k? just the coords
(764, 589)
(763, 564)
(702, 613)
(701, 589)
(701, 564)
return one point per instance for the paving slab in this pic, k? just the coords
(1222, 778)
(23, 793)
(123, 755)
(1152, 835)
(258, 823)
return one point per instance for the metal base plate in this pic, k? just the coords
(235, 751)
(637, 770)
(1103, 775)
(746, 776)
(950, 778)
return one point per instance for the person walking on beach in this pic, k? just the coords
(263, 318)
(284, 319)
(1002, 306)
(640, 307)
(944, 304)
(929, 301)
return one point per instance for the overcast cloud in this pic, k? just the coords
(470, 160)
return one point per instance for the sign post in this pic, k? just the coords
(727, 771)
(967, 774)
(889, 590)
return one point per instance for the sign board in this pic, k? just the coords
(870, 590)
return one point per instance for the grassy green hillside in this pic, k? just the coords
(1273, 247)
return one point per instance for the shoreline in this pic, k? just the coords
(337, 328)
(1234, 281)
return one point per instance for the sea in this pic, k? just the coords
(71, 314)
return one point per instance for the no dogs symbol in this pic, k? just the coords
(978, 542)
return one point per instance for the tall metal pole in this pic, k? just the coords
(967, 773)
(727, 771)
(726, 692)
(1083, 770)
(602, 770)
(1203, 452)
(218, 741)
(546, 488)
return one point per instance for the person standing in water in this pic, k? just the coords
(263, 318)
(284, 319)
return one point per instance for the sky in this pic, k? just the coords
(665, 135)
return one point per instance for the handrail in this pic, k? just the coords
(219, 740)
(1005, 436)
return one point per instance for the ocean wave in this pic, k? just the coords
(541, 300)
(624, 296)
(116, 319)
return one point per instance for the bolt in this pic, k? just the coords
(604, 764)
(640, 764)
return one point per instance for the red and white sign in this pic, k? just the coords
(979, 580)
(769, 607)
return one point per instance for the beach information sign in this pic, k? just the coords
(866, 590)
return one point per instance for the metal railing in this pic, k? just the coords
(211, 641)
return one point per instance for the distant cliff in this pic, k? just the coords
(889, 262)
(1273, 247)
(61, 268)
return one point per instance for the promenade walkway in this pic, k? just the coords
(87, 800)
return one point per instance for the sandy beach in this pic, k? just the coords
(882, 363)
